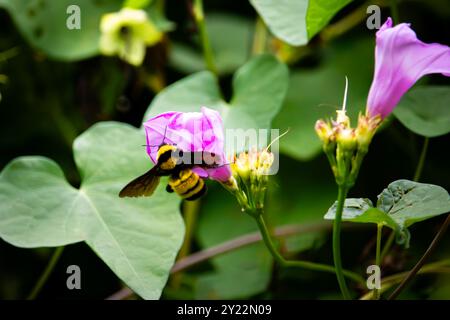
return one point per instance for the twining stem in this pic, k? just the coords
(422, 260)
(394, 11)
(46, 274)
(421, 163)
(378, 256)
(342, 194)
(388, 282)
(65, 126)
(207, 50)
(387, 245)
(260, 37)
(8, 54)
(347, 22)
(236, 243)
(191, 210)
(297, 263)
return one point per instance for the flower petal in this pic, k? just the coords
(400, 60)
(190, 132)
(221, 173)
(156, 132)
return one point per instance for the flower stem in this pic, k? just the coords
(342, 194)
(260, 37)
(207, 50)
(348, 22)
(297, 263)
(422, 260)
(46, 274)
(388, 282)
(378, 256)
(191, 210)
(394, 11)
(387, 245)
(423, 155)
(65, 126)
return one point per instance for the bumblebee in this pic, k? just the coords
(187, 184)
(182, 180)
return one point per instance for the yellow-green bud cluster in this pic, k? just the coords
(250, 171)
(345, 146)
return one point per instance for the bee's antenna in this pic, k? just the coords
(157, 145)
(277, 138)
(164, 137)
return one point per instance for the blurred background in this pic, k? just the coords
(48, 98)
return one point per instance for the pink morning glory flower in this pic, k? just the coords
(190, 132)
(400, 61)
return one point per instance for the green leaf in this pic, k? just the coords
(230, 37)
(259, 88)
(43, 24)
(400, 205)
(320, 13)
(317, 93)
(408, 202)
(137, 238)
(285, 18)
(297, 21)
(425, 110)
(42, 185)
(362, 211)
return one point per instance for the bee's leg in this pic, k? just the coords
(169, 188)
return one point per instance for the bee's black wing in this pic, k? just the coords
(143, 185)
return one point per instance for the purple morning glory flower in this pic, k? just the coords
(190, 131)
(400, 61)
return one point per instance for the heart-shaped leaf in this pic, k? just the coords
(259, 88)
(285, 18)
(362, 211)
(297, 21)
(425, 110)
(137, 238)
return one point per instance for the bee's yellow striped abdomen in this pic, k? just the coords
(188, 185)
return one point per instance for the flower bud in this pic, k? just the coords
(342, 118)
(346, 138)
(250, 171)
(366, 130)
(324, 131)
